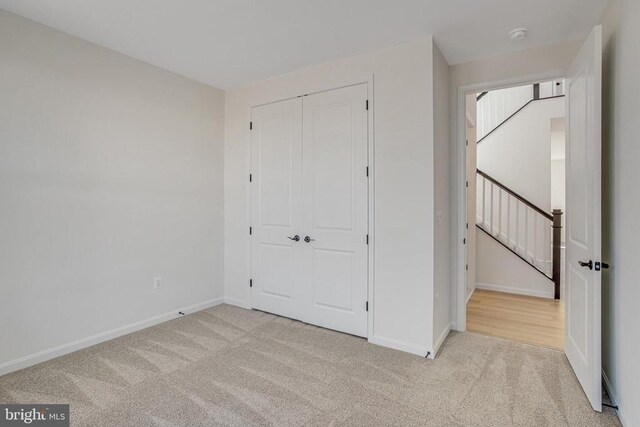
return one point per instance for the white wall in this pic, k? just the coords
(111, 173)
(558, 158)
(442, 232)
(403, 175)
(558, 191)
(557, 184)
(498, 105)
(498, 269)
(621, 206)
(558, 169)
(518, 153)
(538, 63)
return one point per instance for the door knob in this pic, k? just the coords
(586, 264)
(308, 239)
(295, 238)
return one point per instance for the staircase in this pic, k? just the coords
(526, 230)
(495, 108)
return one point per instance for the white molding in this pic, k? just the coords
(61, 350)
(512, 290)
(371, 161)
(401, 345)
(443, 336)
(237, 303)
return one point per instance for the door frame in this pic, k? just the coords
(461, 177)
(369, 81)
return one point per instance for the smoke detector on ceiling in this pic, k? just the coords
(518, 34)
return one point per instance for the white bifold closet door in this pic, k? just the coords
(309, 179)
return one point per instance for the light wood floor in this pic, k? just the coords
(530, 320)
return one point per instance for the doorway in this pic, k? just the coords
(515, 205)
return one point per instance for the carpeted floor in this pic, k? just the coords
(229, 366)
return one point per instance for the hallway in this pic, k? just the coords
(525, 319)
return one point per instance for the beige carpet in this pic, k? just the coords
(229, 366)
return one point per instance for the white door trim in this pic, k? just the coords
(460, 180)
(369, 81)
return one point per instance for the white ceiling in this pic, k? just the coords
(226, 43)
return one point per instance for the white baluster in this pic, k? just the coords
(526, 231)
(535, 237)
(508, 219)
(484, 201)
(517, 225)
(499, 213)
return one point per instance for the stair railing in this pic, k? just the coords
(528, 231)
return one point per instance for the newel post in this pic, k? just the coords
(556, 253)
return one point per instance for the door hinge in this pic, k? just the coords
(366, 306)
(251, 283)
(367, 104)
(250, 231)
(466, 267)
(250, 125)
(467, 142)
(467, 225)
(367, 172)
(467, 184)
(367, 239)
(464, 241)
(250, 178)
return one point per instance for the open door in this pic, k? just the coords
(583, 234)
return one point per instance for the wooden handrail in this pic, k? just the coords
(516, 195)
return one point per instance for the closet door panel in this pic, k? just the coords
(276, 165)
(335, 193)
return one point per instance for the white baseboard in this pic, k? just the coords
(470, 295)
(402, 346)
(609, 388)
(511, 290)
(61, 350)
(237, 303)
(613, 396)
(440, 340)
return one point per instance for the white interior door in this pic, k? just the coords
(335, 194)
(276, 197)
(583, 234)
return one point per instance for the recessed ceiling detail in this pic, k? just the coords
(226, 43)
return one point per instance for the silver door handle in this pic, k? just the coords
(295, 238)
(308, 239)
